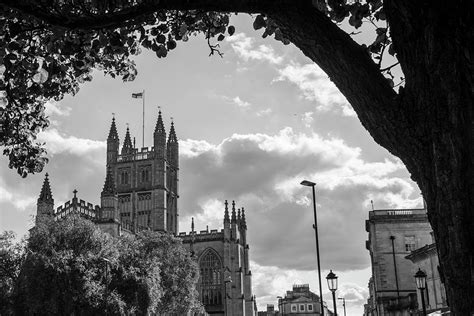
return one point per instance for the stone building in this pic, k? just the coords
(426, 259)
(301, 301)
(225, 286)
(394, 234)
(141, 193)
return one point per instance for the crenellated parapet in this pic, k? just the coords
(203, 235)
(75, 207)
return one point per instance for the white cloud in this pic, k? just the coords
(240, 103)
(264, 112)
(20, 201)
(272, 281)
(308, 119)
(56, 143)
(55, 108)
(237, 101)
(209, 217)
(316, 86)
(263, 172)
(244, 46)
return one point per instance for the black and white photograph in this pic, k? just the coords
(237, 157)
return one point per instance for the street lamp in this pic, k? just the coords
(420, 278)
(106, 262)
(227, 279)
(343, 304)
(332, 284)
(315, 226)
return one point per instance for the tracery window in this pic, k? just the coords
(211, 279)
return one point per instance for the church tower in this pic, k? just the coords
(45, 203)
(146, 180)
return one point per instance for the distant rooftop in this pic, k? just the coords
(397, 212)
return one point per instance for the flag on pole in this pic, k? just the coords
(138, 95)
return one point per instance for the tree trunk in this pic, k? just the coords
(439, 98)
(429, 125)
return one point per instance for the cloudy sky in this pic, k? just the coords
(252, 126)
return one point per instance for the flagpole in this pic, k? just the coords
(143, 125)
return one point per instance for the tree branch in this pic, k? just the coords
(133, 10)
(350, 67)
(346, 63)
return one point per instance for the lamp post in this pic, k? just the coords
(315, 226)
(107, 262)
(420, 278)
(343, 304)
(228, 279)
(332, 284)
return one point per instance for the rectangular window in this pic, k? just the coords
(301, 307)
(310, 307)
(410, 243)
(294, 308)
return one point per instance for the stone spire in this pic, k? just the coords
(160, 127)
(233, 219)
(159, 138)
(109, 185)
(113, 135)
(45, 194)
(172, 137)
(238, 215)
(226, 212)
(127, 143)
(113, 144)
(243, 221)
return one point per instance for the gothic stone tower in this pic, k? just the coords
(146, 180)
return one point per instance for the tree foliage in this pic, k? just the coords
(72, 267)
(12, 255)
(42, 61)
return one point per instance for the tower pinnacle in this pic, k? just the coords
(226, 212)
(233, 219)
(243, 221)
(113, 135)
(172, 137)
(160, 127)
(127, 143)
(46, 195)
(109, 186)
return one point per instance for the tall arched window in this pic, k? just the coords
(211, 278)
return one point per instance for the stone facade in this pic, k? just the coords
(141, 193)
(426, 259)
(223, 258)
(393, 234)
(301, 301)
